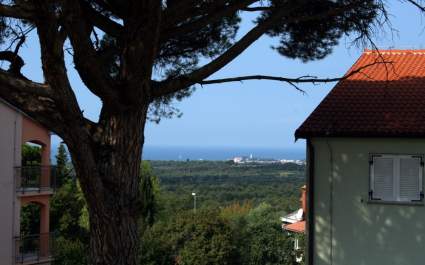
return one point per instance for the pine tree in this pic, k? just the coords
(62, 166)
(68, 201)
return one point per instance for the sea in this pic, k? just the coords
(218, 153)
(184, 153)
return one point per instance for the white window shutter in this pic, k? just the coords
(410, 179)
(383, 178)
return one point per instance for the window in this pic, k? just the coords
(396, 178)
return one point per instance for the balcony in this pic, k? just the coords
(35, 179)
(34, 249)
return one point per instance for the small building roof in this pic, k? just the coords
(293, 217)
(298, 227)
(385, 99)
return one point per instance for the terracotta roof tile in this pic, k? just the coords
(384, 99)
(298, 227)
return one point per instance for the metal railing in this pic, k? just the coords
(35, 178)
(34, 247)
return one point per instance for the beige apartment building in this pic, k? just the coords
(365, 161)
(22, 185)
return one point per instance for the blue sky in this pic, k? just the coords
(252, 113)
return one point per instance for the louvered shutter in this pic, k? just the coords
(410, 179)
(382, 181)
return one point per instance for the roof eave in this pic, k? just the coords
(307, 135)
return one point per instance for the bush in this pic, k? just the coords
(203, 238)
(70, 252)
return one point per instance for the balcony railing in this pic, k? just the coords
(34, 248)
(35, 178)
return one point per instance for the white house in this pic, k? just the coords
(365, 160)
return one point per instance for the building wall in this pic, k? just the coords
(35, 133)
(362, 233)
(10, 156)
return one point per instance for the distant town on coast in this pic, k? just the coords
(237, 154)
(258, 154)
(251, 160)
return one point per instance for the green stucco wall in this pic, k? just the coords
(362, 233)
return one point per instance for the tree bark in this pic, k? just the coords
(110, 182)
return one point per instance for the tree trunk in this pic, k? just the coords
(110, 182)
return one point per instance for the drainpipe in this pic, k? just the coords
(310, 202)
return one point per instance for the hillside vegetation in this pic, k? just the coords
(220, 183)
(236, 221)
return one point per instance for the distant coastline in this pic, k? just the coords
(181, 153)
(218, 153)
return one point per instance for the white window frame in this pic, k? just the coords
(396, 177)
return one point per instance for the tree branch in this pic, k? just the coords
(16, 62)
(257, 8)
(23, 85)
(177, 12)
(421, 8)
(140, 45)
(93, 73)
(114, 7)
(15, 11)
(51, 37)
(34, 99)
(102, 22)
(170, 86)
(293, 81)
(210, 17)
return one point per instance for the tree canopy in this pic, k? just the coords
(118, 45)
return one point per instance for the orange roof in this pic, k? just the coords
(386, 98)
(400, 65)
(298, 227)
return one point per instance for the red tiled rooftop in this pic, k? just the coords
(298, 227)
(382, 100)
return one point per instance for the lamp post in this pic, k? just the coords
(194, 201)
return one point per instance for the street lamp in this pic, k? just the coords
(194, 201)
